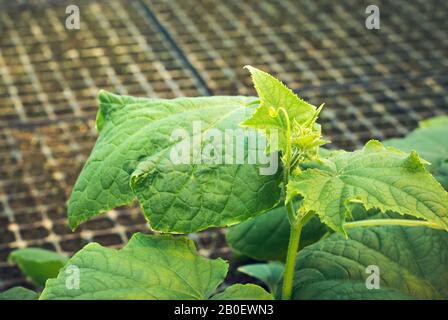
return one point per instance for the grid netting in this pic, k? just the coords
(49, 72)
(382, 81)
(376, 84)
(49, 80)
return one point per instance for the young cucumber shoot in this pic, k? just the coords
(325, 198)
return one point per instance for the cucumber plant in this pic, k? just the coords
(315, 193)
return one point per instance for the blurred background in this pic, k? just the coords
(375, 83)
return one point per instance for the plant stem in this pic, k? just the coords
(295, 221)
(296, 230)
(288, 154)
(391, 222)
(293, 247)
(291, 216)
(287, 164)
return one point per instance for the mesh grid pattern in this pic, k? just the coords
(376, 84)
(322, 50)
(48, 72)
(33, 193)
(309, 43)
(49, 80)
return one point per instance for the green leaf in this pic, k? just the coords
(149, 267)
(441, 174)
(18, 293)
(431, 144)
(135, 142)
(412, 264)
(38, 264)
(435, 122)
(358, 213)
(269, 273)
(266, 237)
(375, 176)
(243, 292)
(274, 94)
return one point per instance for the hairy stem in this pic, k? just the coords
(288, 154)
(291, 216)
(287, 163)
(391, 222)
(293, 247)
(295, 221)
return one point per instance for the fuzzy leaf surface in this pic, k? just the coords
(149, 267)
(430, 141)
(274, 94)
(412, 264)
(377, 177)
(131, 159)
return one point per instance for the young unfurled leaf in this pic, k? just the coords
(266, 237)
(431, 143)
(269, 273)
(149, 267)
(38, 264)
(274, 95)
(377, 177)
(136, 140)
(18, 293)
(388, 262)
(243, 292)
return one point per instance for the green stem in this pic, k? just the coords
(391, 222)
(293, 247)
(291, 215)
(295, 221)
(288, 147)
(287, 164)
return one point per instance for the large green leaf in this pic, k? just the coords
(274, 94)
(243, 292)
(18, 293)
(149, 267)
(266, 237)
(377, 177)
(412, 264)
(431, 143)
(38, 264)
(136, 140)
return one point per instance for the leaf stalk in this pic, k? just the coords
(391, 222)
(293, 247)
(294, 219)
